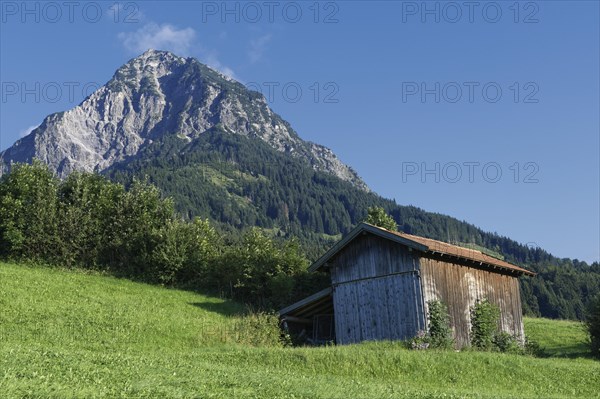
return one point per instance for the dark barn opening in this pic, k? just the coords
(312, 318)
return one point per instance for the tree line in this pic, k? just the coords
(86, 221)
(126, 226)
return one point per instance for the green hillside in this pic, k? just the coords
(239, 182)
(73, 334)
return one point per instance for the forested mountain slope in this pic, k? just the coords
(240, 182)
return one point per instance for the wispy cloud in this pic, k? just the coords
(211, 59)
(168, 37)
(159, 37)
(25, 132)
(258, 47)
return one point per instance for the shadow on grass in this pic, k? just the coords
(226, 308)
(569, 352)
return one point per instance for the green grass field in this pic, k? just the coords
(70, 334)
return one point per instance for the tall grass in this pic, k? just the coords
(69, 334)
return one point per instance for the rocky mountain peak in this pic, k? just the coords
(155, 94)
(152, 63)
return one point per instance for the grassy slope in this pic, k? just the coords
(68, 334)
(559, 338)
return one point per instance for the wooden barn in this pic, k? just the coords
(381, 282)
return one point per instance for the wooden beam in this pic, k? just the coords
(295, 319)
(306, 301)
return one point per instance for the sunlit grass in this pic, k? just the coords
(559, 338)
(71, 334)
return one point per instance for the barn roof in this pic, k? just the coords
(422, 244)
(310, 306)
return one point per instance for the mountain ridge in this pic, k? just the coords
(156, 94)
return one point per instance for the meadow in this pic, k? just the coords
(73, 334)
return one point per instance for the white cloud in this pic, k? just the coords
(25, 132)
(227, 72)
(257, 48)
(168, 37)
(213, 62)
(159, 37)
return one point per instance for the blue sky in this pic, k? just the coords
(488, 112)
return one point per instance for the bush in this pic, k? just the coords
(259, 329)
(420, 341)
(532, 348)
(504, 342)
(484, 324)
(185, 253)
(440, 333)
(84, 221)
(377, 216)
(593, 325)
(256, 270)
(28, 214)
(485, 332)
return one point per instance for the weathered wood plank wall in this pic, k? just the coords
(378, 309)
(377, 291)
(460, 286)
(370, 256)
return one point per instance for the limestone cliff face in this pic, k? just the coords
(157, 94)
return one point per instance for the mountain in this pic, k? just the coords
(157, 95)
(222, 153)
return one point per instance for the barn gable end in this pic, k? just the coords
(376, 291)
